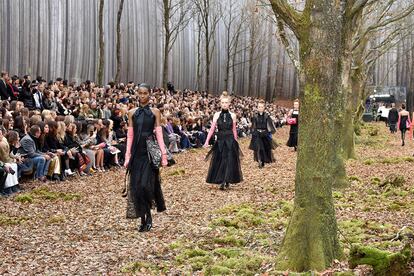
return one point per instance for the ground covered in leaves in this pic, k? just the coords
(79, 227)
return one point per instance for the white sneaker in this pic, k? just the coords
(69, 172)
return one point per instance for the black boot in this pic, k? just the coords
(141, 228)
(55, 177)
(222, 186)
(148, 222)
(227, 185)
(16, 188)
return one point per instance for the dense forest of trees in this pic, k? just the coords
(215, 45)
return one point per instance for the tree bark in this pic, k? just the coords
(101, 64)
(118, 41)
(311, 241)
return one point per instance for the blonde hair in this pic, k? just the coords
(46, 113)
(61, 131)
(225, 95)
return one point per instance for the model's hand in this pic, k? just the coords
(206, 146)
(126, 163)
(164, 161)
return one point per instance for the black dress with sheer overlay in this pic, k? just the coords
(225, 154)
(262, 143)
(144, 189)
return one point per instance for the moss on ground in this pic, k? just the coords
(383, 263)
(44, 193)
(6, 220)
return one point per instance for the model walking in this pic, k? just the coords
(144, 189)
(225, 155)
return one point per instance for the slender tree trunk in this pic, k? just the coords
(269, 70)
(101, 64)
(311, 241)
(208, 61)
(118, 41)
(228, 52)
(167, 36)
(199, 55)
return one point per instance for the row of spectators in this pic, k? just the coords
(53, 130)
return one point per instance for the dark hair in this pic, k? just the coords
(403, 106)
(34, 129)
(145, 85)
(53, 127)
(6, 123)
(19, 123)
(12, 137)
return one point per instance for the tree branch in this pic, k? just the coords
(288, 15)
(285, 42)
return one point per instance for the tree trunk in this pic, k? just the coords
(198, 74)
(167, 36)
(118, 41)
(208, 61)
(311, 241)
(101, 64)
(269, 69)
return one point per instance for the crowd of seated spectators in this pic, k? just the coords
(51, 131)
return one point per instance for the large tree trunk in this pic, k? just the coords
(101, 64)
(118, 41)
(311, 241)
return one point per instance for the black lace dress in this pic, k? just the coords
(262, 143)
(144, 189)
(225, 154)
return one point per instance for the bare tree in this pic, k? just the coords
(210, 17)
(101, 63)
(233, 20)
(118, 40)
(175, 19)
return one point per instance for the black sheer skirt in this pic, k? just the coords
(144, 189)
(225, 160)
(262, 146)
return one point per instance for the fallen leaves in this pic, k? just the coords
(79, 226)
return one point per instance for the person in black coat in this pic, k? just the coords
(262, 143)
(6, 90)
(26, 95)
(393, 118)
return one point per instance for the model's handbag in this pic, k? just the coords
(154, 153)
(292, 121)
(407, 124)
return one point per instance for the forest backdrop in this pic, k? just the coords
(60, 38)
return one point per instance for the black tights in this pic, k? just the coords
(403, 135)
(147, 218)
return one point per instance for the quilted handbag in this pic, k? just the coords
(154, 152)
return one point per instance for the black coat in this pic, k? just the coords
(269, 123)
(6, 91)
(26, 97)
(52, 144)
(393, 116)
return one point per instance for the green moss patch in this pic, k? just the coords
(44, 193)
(6, 220)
